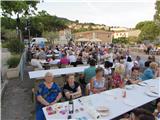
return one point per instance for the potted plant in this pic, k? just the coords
(13, 67)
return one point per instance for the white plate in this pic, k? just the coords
(103, 114)
(104, 109)
(130, 87)
(149, 93)
(142, 84)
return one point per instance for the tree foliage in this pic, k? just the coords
(37, 24)
(120, 40)
(149, 30)
(8, 34)
(51, 36)
(13, 61)
(18, 7)
(15, 46)
(157, 14)
(140, 25)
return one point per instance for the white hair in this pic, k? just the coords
(48, 73)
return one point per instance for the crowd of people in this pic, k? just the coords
(111, 66)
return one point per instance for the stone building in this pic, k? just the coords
(104, 36)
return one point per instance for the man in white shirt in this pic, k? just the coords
(72, 58)
(36, 63)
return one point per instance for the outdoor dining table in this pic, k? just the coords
(55, 72)
(112, 99)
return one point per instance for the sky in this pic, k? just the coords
(124, 13)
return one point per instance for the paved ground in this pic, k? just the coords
(17, 101)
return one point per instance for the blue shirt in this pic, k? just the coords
(42, 44)
(48, 94)
(148, 74)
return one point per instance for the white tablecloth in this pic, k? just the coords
(113, 100)
(41, 73)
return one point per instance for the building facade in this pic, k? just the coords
(104, 36)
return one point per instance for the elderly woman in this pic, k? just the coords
(98, 83)
(48, 93)
(149, 73)
(72, 88)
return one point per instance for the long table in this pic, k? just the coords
(112, 99)
(61, 71)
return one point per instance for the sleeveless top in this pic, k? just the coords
(99, 84)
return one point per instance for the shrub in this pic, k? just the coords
(15, 46)
(4, 45)
(13, 61)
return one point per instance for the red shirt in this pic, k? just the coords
(64, 61)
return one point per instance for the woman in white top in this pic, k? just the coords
(36, 63)
(128, 66)
(98, 83)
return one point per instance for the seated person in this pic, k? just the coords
(149, 73)
(108, 72)
(107, 66)
(90, 72)
(48, 93)
(54, 61)
(134, 78)
(72, 88)
(141, 114)
(72, 59)
(35, 62)
(98, 83)
(64, 60)
(117, 78)
(157, 74)
(157, 111)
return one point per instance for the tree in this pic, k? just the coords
(8, 23)
(149, 31)
(45, 22)
(18, 7)
(120, 40)
(132, 39)
(140, 25)
(51, 36)
(157, 14)
(8, 34)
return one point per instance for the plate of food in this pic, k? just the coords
(142, 84)
(103, 111)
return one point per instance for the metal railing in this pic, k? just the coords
(22, 64)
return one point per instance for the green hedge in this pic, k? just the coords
(15, 46)
(13, 61)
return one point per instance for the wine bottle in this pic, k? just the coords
(71, 105)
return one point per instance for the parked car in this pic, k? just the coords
(37, 40)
